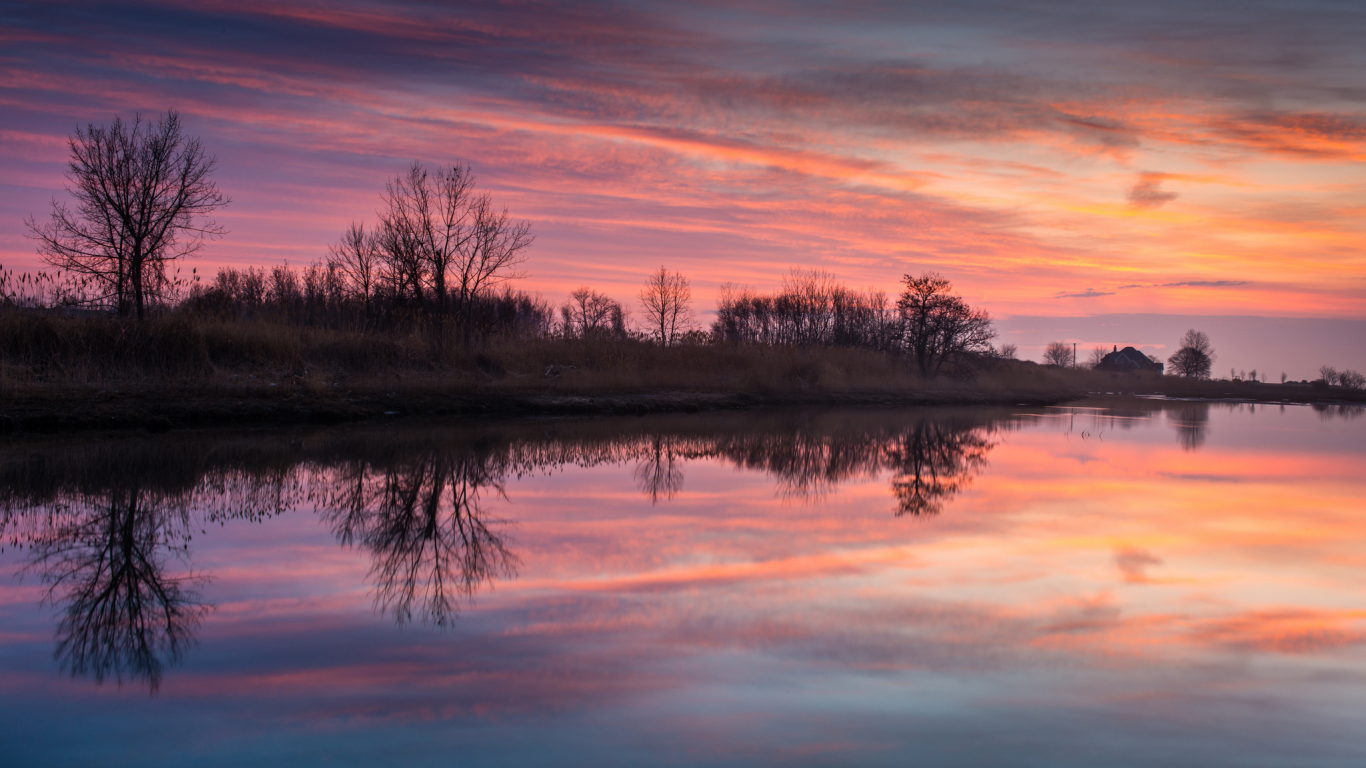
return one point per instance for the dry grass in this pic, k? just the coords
(48, 355)
(46, 352)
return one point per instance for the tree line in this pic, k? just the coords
(442, 255)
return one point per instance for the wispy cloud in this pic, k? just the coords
(736, 142)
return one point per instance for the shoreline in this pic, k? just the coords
(156, 412)
(68, 411)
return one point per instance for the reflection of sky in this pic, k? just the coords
(1098, 595)
(1060, 158)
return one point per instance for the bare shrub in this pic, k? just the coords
(1057, 353)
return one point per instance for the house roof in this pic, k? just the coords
(1128, 359)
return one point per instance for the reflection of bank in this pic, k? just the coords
(107, 526)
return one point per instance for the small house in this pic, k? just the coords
(1128, 360)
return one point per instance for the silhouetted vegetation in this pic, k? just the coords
(422, 300)
(142, 191)
(1195, 359)
(666, 301)
(811, 309)
(1347, 379)
(1057, 353)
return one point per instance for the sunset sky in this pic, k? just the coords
(1065, 160)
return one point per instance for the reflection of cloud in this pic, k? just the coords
(1133, 563)
(1148, 192)
(1089, 293)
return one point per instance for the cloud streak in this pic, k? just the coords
(734, 143)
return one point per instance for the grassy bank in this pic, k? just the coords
(60, 373)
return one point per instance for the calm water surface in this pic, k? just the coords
(1125, 582)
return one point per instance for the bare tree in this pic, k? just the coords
(404, 234)
(1057, 353)
(666, 300)
(589, 313)
(1008, 352)
(142, 191)
(1328, 374)
(1350, 379)
(491, 255)
(1195, 358)
(937, 326)
(1097, 357)
(356, 256)
(438, 237)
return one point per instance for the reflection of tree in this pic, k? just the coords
(1191, 420)
(104, 562)
(433, 543)
(104, 524)
(107, 523)
(933, 462)
(1344, 411)
(659, 472)
(932, 459)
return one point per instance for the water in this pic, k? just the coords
(1123, 582)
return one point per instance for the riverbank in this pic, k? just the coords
(72, 375)
(161, 408)
(56, 412)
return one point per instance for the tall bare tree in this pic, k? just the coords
(937, 326)
(666, 301)
(142, 192)
(438, 238)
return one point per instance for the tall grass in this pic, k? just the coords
(44, 350)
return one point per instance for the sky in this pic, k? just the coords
(1066, 160)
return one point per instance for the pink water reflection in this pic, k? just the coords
(1098, 589)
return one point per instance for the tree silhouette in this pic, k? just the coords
(1195, 358)
(142, 192)
(1058, 353)
(937, 326)
(666, 301)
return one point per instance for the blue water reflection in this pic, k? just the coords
(1120, 582)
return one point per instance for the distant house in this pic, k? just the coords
(1128, 359)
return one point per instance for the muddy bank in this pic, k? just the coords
(59, 412)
